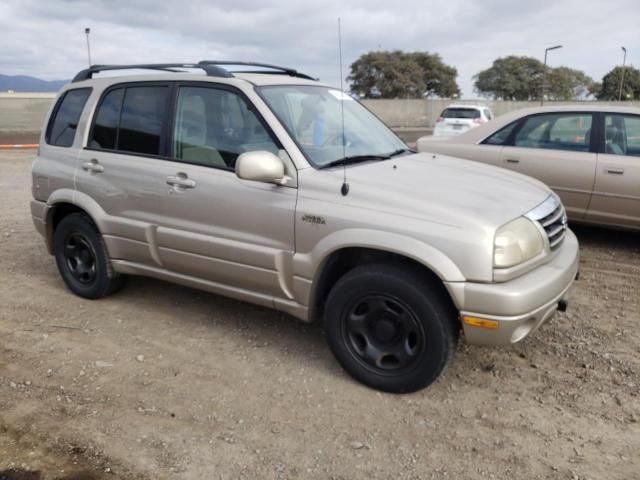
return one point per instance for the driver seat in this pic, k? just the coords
(192, 135)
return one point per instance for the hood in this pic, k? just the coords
(428, 139)
(444, 189)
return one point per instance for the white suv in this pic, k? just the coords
(457, 119)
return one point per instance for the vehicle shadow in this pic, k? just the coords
(607, 238)
(195, 309)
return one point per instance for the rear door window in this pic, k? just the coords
(556, 131)
(622, 134)
(462, 113)
(63, 124)
(105, 128)
(144, 110)
(132, 119)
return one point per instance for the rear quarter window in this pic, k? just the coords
(63, 123)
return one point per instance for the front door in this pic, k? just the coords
(216, 226)
(556, 148)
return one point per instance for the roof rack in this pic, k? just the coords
(213, 68)
(281, 70)
(210, 70)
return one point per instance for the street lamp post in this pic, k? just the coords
(544, 71)
(87, 31)
(624, 61)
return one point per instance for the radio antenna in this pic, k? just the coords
(345, 186)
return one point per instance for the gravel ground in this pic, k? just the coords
(161, 382)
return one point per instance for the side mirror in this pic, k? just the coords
(261, 166)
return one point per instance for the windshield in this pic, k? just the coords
(313, 117)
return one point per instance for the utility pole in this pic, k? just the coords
(624, 61)
(87, 31)
(544, 71)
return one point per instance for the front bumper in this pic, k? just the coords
(517, 308)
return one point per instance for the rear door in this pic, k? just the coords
(120, 167)
(616, 196)
(558, 149)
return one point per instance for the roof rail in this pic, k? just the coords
(213, 68)
(281, 70)
(210, 69)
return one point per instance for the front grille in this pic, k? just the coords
(555, 224)
(551, 216)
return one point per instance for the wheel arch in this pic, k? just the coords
(65, 202)
(338, 260)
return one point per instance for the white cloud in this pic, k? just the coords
(46, 39)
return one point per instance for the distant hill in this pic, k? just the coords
(24, 83)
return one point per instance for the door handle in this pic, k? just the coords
(180, 181)
(92, 166)
(512, 160)
(614, 171)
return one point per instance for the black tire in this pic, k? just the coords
(82, 258)
(390, 327)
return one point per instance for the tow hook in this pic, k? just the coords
(562, 305)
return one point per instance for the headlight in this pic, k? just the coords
(516, 242)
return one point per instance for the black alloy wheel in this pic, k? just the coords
(81, 257)
(391, 326)
(384, 333)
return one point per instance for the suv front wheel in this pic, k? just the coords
(390, 328)
(82, 258)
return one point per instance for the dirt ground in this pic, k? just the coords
(164, 382)
(11, 137)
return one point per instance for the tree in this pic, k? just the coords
(520, 78)
(611, 84)
(439, 78)
(511, 78)
(595, 89)
(400, 74)
(564, 83)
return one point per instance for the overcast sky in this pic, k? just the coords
(45, 38)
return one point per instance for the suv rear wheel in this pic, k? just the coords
(390, 328)
(82, 258)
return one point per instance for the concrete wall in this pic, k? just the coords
(26, 111)
(424, 113)
(23, 111)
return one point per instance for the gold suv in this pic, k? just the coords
(267, 186)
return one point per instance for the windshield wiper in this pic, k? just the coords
(400, 151)
(366, 158)
(355, 159)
